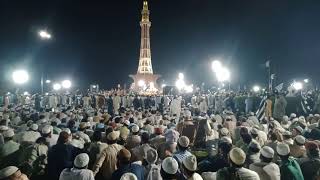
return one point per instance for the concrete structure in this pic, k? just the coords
(145, 80)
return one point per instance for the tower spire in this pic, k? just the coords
(145, 65)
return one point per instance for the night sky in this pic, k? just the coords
(98, 41)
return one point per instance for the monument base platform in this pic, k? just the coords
(144, 83)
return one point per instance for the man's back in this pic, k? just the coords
(76, 174)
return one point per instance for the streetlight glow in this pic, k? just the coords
(26, 93)
(66, 84)
(48, 81)
(44, 34)
(306, 80)
(297, 85)
(223, 74)
(256, 88)
(57, 87)
(216, 65)
(20, 76)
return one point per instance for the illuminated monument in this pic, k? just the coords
(145, 80)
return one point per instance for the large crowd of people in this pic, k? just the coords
(111, 135)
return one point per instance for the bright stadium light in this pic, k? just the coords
(216, 65)
(180, 84)
(44, 34)
(57, 87)
(20, 76)
(66, 84)
(306, 80)
(163, 85)
(189, 89)
(256, 88)
(48, 81)
(26, 93)
(141, 83)
(223, 74)
(181, 76)
(297, 85)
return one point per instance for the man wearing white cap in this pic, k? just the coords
(79, 170)
(9, 147)
(298, 149)
(266, 169)
(50, 137)
(2, 130)
(289, 167)
(134, 139)
(236, 170)
(30, 136)
(189, 167)
(128, 176)
(182, 152)
(12, 173)
(107, 162)
(169, 168)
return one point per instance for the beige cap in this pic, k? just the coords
(8, 133)
(283, 149)
(46, 129)
(8, 171)
(34, 127)
(135, 128)
(152, 156)
(237, 156)
(170, 165)
(190, 163)
(81, 160)
(184, 141)
(128, 176)
(114, 135)
(300, 139)
(224, 131)
(3, 128)
(254, 131)
(267, 152)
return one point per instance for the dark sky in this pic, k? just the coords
(98, 41)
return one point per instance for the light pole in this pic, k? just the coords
(44, 35)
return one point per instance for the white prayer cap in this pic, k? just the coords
(127, 122)
(46, 129)
(300, 139)
(208, 175)
(299, 129)
(267, 152)
(317, 115)
(254, 131)
(224, 131)
(34, 127)
(90, 119)
(287, 133)
(237, 156)
(170, 165)
(283, 149)
(226, 139)
(8, 171)
(293, 115)
(114, 135)
(251, 113)
(190, 163)
(4, 128)
(8, 133)
(152, 156)
(81, 160)
(184, 141)
(67, 130)
(128, 176)
(187, 113)
(135, 128)
(228, 117)
(285, 118)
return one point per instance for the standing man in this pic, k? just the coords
(279, 107)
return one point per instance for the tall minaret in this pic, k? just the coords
(145, 82)
(145, 65)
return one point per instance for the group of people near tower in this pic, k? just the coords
(107, 136)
